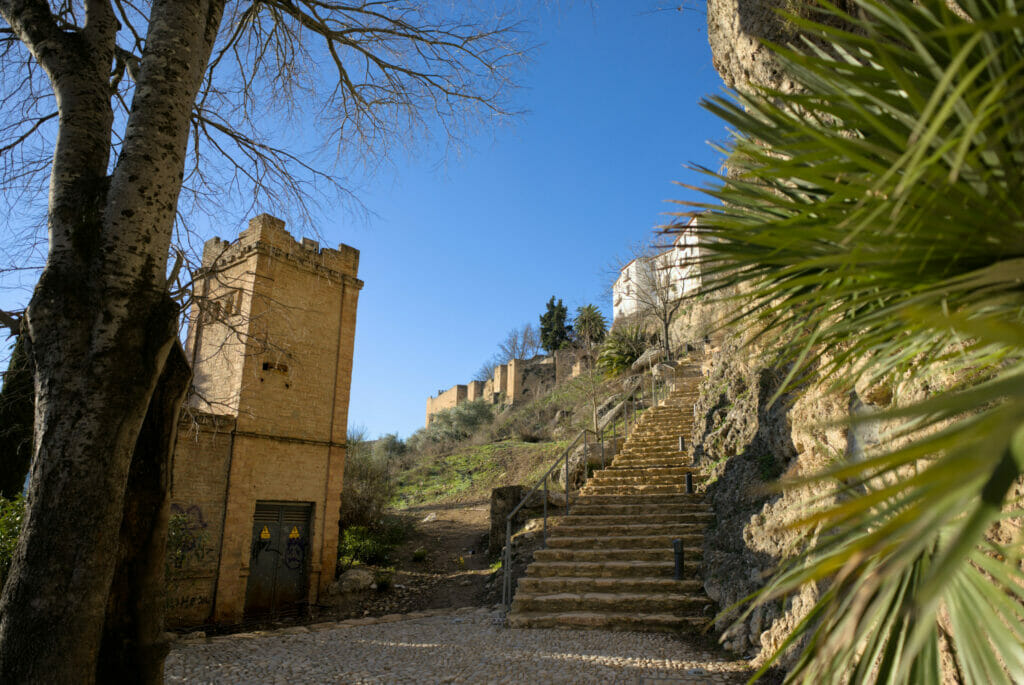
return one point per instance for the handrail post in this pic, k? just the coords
(567, 481)
(506, 586)
(586, 457)
(545, 511)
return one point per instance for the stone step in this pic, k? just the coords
(612, 569)
(634, 509)
(651, 461)
(589, 520)
(615, 479)
(665, 553)
(663, 501)
(626, 471)
(590, 529)
(664, 450)
(673, 603)
(591, 489)
(610, 563)
(690, 538)
(542, 585)
(637, 457)
(584, 620)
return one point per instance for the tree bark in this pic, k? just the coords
(101, 326)
(16, 422)
(133, 646)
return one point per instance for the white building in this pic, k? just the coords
(666, 275)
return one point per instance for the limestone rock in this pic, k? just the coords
(356, 579)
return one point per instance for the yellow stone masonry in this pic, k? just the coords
(270, 337)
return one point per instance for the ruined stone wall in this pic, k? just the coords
(474, 391)
(529, 379)
(516, 382)
(564, 361)
(452, 397)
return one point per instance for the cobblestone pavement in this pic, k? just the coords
(468, 645)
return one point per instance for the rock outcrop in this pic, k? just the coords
(737, 30)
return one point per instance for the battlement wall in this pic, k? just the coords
(266, 234)
(516, 382)
(451, 397)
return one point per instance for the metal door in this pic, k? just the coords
(278, 565)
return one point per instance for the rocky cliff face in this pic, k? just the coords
(737, 30)
(744, 440)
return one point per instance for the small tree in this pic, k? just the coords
(486, 370)
(367, 487)
(555, 332)
(590, 326)
(658, 296)
(519, 343)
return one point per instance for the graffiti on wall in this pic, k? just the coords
(187, 536)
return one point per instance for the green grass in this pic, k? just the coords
(470, 472)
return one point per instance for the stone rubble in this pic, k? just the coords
(468, 645)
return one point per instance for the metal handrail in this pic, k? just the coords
(628, 408)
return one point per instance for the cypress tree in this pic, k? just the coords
(554, 330)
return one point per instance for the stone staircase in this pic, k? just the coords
(610, 564)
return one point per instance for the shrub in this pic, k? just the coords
(374, 544)
(383, 578)
(11, 513)
(621, 348)
(449, 426)
(529, 423)
(367, 487)
(360, 544)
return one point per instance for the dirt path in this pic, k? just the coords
(453, 574)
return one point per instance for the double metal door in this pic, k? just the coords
(279, 563)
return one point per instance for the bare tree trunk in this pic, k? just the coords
(133, 647)
(101, 326)
(89, 411)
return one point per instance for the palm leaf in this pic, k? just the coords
(875, 217)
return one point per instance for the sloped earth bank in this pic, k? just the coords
(453, 573)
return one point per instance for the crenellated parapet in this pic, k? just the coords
(266, 235)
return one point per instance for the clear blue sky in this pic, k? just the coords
(458, 250)
(456, 257)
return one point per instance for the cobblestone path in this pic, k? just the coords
(468, 645)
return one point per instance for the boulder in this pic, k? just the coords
(663, 370)
(503, 501)
(358, 579)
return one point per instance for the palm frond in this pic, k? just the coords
(876, 216)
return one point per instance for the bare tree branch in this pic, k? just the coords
(11, 321)
(27, 134)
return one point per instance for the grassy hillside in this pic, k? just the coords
(469, 472)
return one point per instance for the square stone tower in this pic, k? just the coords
(257, 472)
